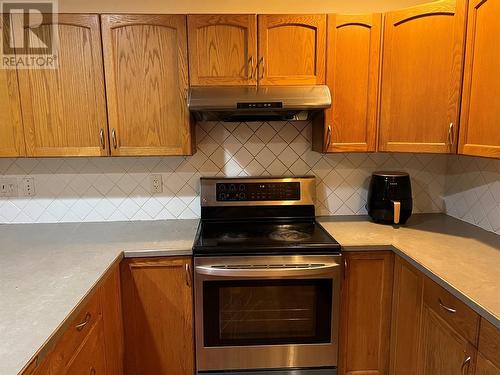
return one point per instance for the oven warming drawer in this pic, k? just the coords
(267, 312)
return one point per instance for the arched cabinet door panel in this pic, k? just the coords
(353, 61)
(64, 109)
(291, 49)
(480, 119)
(145, 60)
(222, 49)
(421, 78)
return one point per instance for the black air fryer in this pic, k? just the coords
(389, 198)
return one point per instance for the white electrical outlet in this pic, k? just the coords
(8, 187)
(28, 185)
(156, 183)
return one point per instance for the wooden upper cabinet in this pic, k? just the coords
(11, 127)
(222, 49)
(366, 313)
(421, 77)
(353, 56)
(64, 109)
(291, 49)
(480, 119)
(145, 59)
(158, 315)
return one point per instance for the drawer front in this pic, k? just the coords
(90, 358)
(72, 338)
(457, 314)
(489, 342)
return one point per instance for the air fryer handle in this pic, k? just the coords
(397, 211)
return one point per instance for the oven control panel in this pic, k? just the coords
(257, 191)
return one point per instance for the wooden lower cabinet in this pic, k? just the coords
(406, 318)
(158, 316)
(433, 332)
(366, 313)
(442, 350)
(92, 341)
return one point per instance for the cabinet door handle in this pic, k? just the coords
(261, 64)
(328, 137)
(187, 269)
(450, 134)
(446, 308)
(250, 67)
(92, 371)
(465, 366)
(345, 267)
(101, 139)
(86, 321)
(113, 137)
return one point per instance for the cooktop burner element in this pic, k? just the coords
(290, 235)
(255, 216)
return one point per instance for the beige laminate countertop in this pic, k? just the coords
(461, 257)
(47, 269)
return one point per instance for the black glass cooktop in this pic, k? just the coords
(263, 237)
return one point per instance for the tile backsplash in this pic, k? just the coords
(472, 191)
(112, 189)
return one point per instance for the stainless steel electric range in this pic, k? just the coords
(267, 279)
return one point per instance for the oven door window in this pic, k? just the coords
(267, 312)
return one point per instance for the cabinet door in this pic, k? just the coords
(352, 76)
(442, 350)
(421, 77)
(11, 126)
(222, 49)
(292, 49)
(406, 318)
(479, 127)
(158, 316)
(145, 59)
(64, 109)
(366, 313)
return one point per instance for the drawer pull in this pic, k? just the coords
(465, 365)
(187, 269)
(446, 308)
(82, 325)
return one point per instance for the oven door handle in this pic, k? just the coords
(248, 272)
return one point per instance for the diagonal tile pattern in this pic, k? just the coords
(113, 189)
(472, 191)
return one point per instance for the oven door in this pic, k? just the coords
(271, 312)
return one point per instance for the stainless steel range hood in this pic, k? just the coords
(257, 103)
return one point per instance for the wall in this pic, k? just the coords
(101, 189)
(232, 6)
(472, 191)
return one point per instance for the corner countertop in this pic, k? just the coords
(46, 270)
(461, 257)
